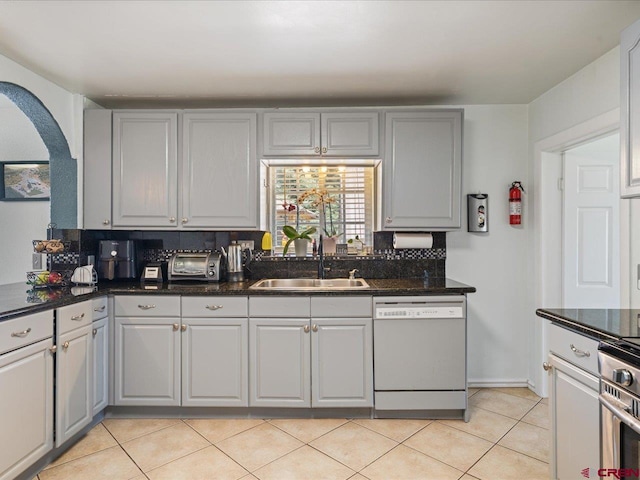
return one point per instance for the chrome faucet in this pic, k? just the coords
(352, 274)
(322, 270)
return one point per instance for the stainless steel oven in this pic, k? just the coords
(620, 406)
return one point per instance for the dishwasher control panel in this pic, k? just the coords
(415, 311)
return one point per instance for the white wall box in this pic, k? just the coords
(630, 110)
(145, 169)
(573, 402)
(26, 403)
(422, 170)
(74, 370)
(339, 134)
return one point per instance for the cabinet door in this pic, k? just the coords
(219, 171)
(74, 383)
(575, 425)
(279, 354)
(215, 362)
(97, 169)
(342, 362)
(630, 110)
(26, 407)
(100, 365)
(147, 361)
(422, 170)
(350, 134)
(291, 134)
(145, 169)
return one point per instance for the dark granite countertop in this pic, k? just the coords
(603, 324)
(19, 299)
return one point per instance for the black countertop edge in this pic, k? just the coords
(13, 297)
(569, 318)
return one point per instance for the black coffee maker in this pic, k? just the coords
(117, 259)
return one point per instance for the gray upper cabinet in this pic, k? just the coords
(422, 170)
(97, 169)
(326, 134)
(219, 169)
(630, 111)
(145, 169)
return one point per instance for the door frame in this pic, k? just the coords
(547, 202)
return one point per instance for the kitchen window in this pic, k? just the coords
(338, 200)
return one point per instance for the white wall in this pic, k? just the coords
(24, 221)
(495, 154)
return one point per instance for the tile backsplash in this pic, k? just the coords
(385, 262)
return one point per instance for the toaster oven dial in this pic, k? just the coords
(212, 273)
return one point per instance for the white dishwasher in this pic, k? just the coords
(420, 356)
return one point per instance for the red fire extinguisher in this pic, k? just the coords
(515, 203)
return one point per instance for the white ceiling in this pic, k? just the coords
(206, 53)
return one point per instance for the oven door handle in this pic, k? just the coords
(624, 416)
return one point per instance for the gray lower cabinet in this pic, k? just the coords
(99, 333)
(310, 352)
(215, 340)
(573, 403)
(422, 170)
(26, 383)
(146, 363)
(74, 370)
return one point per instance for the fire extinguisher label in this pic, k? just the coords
(515, 208)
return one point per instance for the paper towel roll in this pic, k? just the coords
(412, 240)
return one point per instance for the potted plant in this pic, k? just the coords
(301, 239)
(322, 200)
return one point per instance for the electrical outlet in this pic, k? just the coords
(36, 261)
(246, 244)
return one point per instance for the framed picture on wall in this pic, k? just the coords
(24, 181)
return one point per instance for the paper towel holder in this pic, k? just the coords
(478, 212)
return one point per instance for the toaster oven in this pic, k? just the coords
(195, 267)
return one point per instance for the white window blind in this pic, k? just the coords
(337, 200)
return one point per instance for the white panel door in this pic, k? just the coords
(591, 243)
(100, 364)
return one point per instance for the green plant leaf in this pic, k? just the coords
(307, 232)
(290, 232)
(286, 246)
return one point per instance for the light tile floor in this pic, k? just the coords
(506, 438)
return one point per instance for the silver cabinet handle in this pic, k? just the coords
(65, 345)
(185, 220)
(106, 222)
(388, 220)
(146, 307)
(317, 149)
(314, 328)
(306, 329)
(546, 366)
(21, 334)
(183, 328)
(95, 332)
(324, 149)
(100, 309)
(172, 219)
(578, 352)
(176, 327)
(77, 318)
(213, 307)
(53, 349)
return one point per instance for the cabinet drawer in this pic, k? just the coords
(74, 316)
(575, 348)
(147, 306)
(99, 308)
(327, 307)
(279, 307)
(25, 330)
(215, 307)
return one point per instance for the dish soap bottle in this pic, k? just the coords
(267, 243)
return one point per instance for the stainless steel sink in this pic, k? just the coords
(310, 284)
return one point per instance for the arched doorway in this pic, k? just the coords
(63, 168)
